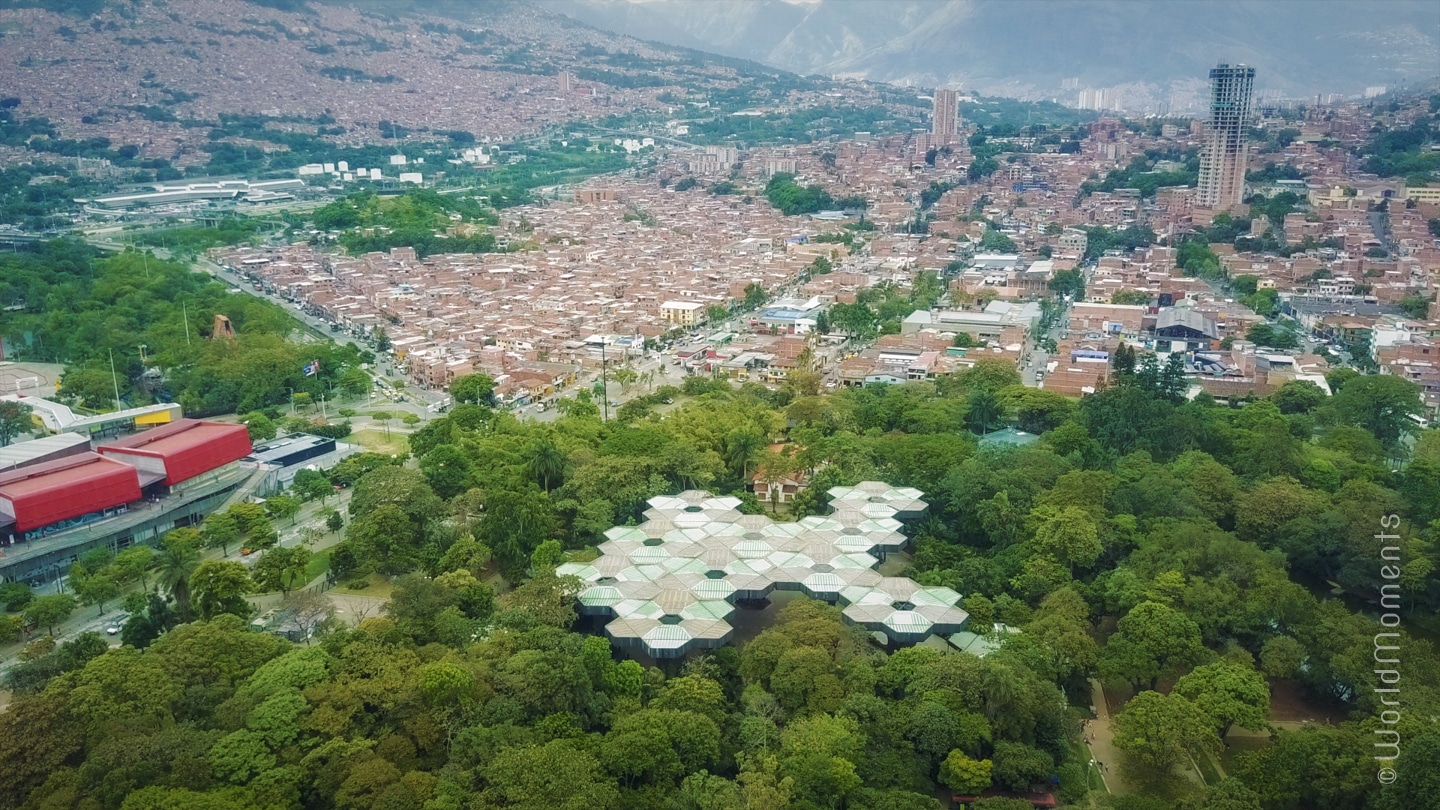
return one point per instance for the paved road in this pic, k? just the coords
(88, 619)
(1039, 358)
(1380, 225)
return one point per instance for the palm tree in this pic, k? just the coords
(740, 448)
(547, 464)
(173, 568)
(984, 411)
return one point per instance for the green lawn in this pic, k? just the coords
(376, 441)
(1207, 769)
(1081, 754)
(375, 585)
(1239, 746)
(317, 566)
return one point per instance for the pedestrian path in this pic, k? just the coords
(1100, 740)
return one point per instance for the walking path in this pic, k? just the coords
(1100, 739)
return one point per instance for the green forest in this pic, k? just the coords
(1407, 153)
(1198, 557)
(69, 303)
(419, 218)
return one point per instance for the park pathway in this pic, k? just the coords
(1100, 739)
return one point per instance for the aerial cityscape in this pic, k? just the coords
(719, 405)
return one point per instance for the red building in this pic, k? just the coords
(43, 494)
(181, 450)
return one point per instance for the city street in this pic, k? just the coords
(1039, 358)
(87, 619)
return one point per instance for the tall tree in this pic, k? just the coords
(1172, 385)
(473, 389)
(447, 470)
(514, 525)
(220, 587)
(49, 611)
(742, 446)
(1123, 361)
(282, 507)
(965, 775)
(1161, 730)
(133, 564)
(1232, 694)
(989, 375)
(281, 569)
(384, 540)
(15, 419)
(97, 589)
(312, 485)
(546, 464)
(1151, 640)
(220, 530)
(173, 567)
(984, 413)
(1380, 403)
(1069, 534)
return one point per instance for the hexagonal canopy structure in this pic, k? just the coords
(670, 583)
(905, 502)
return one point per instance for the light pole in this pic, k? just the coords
(604, 382)
(114, 381)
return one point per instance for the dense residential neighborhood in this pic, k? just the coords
(427, 406)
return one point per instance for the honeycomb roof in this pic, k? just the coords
(669, 584)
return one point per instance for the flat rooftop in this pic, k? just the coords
(279, 448)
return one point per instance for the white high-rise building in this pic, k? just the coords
(1226, 149)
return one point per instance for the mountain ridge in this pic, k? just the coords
(1030, 49)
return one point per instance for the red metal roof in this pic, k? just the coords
(186, 448)
(67, 488)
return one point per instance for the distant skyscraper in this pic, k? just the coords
(947, 114)
(567, 79)
(1223, 158)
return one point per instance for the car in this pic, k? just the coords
(113, 629)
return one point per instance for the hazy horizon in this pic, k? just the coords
(1032, 49)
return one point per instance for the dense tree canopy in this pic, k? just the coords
(1184, 550)
(82, 310)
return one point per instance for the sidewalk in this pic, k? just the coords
(1101, 741)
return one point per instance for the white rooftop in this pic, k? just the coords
(670, 582)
